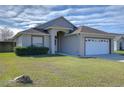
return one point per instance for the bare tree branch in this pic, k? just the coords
(5, 33)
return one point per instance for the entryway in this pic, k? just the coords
(58, 41)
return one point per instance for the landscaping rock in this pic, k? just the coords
(23, 79)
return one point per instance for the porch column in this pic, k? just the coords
(53, 44)
(81, 46)
(53, 34)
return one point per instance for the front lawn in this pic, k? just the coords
(121, 52)
(61, 71)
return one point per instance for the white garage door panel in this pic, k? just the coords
(96, 46)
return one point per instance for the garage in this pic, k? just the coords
(96, 46)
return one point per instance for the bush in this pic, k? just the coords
(22, 51)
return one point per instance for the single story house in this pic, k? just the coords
(7, 46)
(119, 42)
(61, 36)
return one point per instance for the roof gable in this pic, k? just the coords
(87, 29)
(58, 22)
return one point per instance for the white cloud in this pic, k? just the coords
(30, 16)
(72, 11)
(114, 7)
(31, 25)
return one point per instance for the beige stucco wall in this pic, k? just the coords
(19, 41)
(70, 45)
(112, 45)
(26, 41)
(23, 40)
(47, 41)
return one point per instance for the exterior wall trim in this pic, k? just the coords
(95, 34)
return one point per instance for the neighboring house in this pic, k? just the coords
(61, 36)
(119, 42)
(7, 46)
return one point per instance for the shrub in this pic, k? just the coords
(22, 51)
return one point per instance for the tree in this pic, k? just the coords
(5, 34)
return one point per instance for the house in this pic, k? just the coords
(61, 36)
(119, 42)
(7, 46)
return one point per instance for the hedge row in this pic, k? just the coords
(21, 51)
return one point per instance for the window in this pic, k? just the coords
(19, 41)
(37, 41)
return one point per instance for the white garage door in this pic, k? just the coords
(96, 46)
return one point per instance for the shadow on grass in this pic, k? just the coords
(86, 57)
(54, 55)
(42, 56)
(6, 52)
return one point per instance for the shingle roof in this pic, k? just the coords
(32, 31)
(57, 22)
(35, 30)
(117, 34)
(86, 29)
(41, 28)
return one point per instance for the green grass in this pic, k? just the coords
(121, 52)
(60, 71)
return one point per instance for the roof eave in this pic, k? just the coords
(17, 35)
(35, 34)
(106, 34)
(22, 33)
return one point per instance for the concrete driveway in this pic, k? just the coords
(113, 57)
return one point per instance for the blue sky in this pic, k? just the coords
(107, 18)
